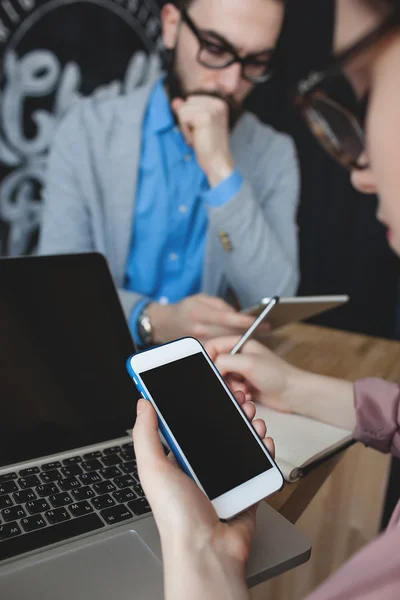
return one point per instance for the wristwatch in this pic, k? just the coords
(145, 328)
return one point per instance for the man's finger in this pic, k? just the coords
(236, 320)
(177, 104)
(215, 302)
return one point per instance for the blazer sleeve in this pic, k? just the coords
(260, 222)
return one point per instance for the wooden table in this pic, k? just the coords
(342, 499)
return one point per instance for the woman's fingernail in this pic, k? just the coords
(141, 406)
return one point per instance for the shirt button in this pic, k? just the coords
(163, 300)
(187, 157)
(183, 209)
(173, 256)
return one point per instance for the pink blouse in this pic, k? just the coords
(374, 573)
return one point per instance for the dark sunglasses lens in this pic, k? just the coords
(336, 128)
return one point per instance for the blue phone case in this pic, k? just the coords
(165, 433)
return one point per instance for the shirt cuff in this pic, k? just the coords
(224, 191)
(133, 320)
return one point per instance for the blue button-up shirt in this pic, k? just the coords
(166, 259)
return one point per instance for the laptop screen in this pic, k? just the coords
(64, 343)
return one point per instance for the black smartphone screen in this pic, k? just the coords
(211, 432)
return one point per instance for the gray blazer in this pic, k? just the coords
(89, 200)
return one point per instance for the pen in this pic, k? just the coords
(273, 302)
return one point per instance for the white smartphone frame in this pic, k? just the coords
(245, 495)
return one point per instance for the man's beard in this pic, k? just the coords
(176, 89)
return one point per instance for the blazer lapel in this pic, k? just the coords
(213, 281)
(122, 176)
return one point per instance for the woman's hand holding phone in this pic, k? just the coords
(203, 556)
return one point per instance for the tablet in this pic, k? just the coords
(297, 308)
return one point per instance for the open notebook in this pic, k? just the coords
(301, 442)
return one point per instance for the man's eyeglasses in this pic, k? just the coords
(336, 127)
(215, 53)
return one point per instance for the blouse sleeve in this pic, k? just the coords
(377, 405)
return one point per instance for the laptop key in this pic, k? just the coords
(13, 513)
(116, 514)
(111, 459)
(92, 465)
(60, 500)
(104, 487)
(48, 535)
(124, 495)
(51, 465)
(129, 467)
(57, 515)
(50, 476)
(78, 509)
(139, 490)
(69, 483)
(128, 446)
(139, 506)
(71, 470)
(88, 478)
(90, 455)
(8, 530)
(7, 487)
(47, 489)
(101, 502)
(36, 506)
(5, 501)
(111, 450)
(83, 493)
(28, 482)
(24, 496)
(72, 460)
(127, 455)
(124, 481)
(110, 472)
(7, 477)
(30, 471)
(33, 523)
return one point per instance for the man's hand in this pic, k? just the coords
(204, 121)
(201, 316)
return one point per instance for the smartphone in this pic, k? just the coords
(204, 425)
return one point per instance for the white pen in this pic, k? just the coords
(273, 302)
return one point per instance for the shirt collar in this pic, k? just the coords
(160, 115)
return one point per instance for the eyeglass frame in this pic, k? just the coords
(310, 85)
(229, 48)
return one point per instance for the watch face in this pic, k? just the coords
(145, 328)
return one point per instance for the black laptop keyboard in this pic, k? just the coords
(60, 500)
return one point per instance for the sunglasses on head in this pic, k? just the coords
(336, 127)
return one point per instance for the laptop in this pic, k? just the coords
(74, 521)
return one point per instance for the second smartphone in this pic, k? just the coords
(204, 426)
